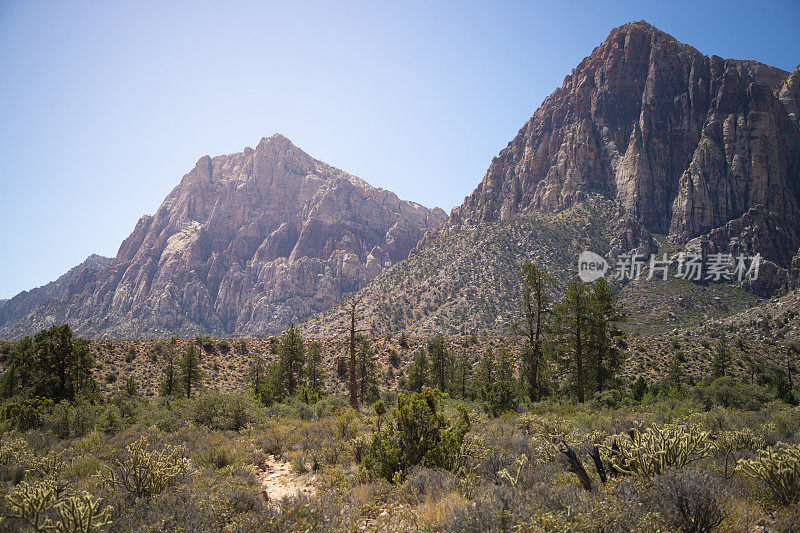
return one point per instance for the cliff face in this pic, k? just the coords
(20, 305)
(684, 142)
(245, 244)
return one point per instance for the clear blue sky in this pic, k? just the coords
(105, 105)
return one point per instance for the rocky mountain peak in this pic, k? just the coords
(245, 244)
(683, 142)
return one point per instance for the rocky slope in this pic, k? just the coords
(244, 245)
(695, 152)
(20, 305)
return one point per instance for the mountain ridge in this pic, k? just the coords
(245, 244)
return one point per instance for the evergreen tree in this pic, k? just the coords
(53, 364)
(418, 373)
(536, 300)
(256, 371)
(571, 319)
(170, 384)
(486, 373)
(191, 373)
(722, 359)
(675, 374)
(315, 376)
(366, 372)
(463, 374)
(440, 362)
(291, 352)
(603, 353)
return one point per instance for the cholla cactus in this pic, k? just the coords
(743, 439)
(148, 472)
(650, 452)
(779, 468)
(14, 450)
(40, 506)
(32, 503)
(82, 514)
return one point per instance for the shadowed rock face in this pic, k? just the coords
(245, 244)
(684, 142)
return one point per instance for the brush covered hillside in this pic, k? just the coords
(647, 147)
(246, 244)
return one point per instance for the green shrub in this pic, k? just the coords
(231, 411)
(27, 413)
(418, 433)
(728, 392)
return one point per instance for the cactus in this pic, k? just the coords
(148, 472)
(32, 503)
(14, 450)
(82, 514)
(779, 468)
(41, 507)
(650, 452)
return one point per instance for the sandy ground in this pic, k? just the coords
(279, 482)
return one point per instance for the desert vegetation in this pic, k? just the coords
(543, 431)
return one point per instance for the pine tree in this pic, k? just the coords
(291, 353)
(675, 374)
(256, 371)
(170, 384)
(366, 371)
(191, 373)
(722, 358)
(486, 372)
(536, 300)
(315, 376)
(463, 373)
(418, 373)
(440, 362)
(571, 317)
(603, 353)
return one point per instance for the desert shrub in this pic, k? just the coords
(418, 433)
(729, 393)
(501, 397)
(147, 472)
(650, 452)
(66, 420)
(225, 411)
(779, 468)
(26, 413)
(690, 500)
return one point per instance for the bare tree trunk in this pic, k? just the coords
(575, 465)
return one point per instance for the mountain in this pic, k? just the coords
(686, 152)
(246, 244)
(20, 305)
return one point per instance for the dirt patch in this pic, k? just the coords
(278, 481)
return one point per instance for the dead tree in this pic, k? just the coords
(575, 465)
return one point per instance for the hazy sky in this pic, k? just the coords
(105, 105)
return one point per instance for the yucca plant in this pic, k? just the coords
(779, 468)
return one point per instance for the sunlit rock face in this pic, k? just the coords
(685, 143)
(246, 244)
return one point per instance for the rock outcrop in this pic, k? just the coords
(245, 244)
(20, 305)
(684, 142)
